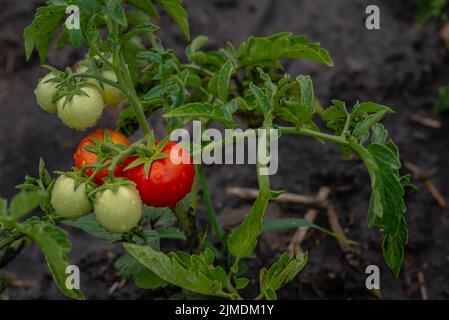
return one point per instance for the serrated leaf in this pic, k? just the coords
(185, 271)
(40, 33)
(178, 14)
(306, 87)
(336, 116)
(25, 202)
(202, 110)
(224, 77)
(262, 51)
(362, 127)
(55, 245)
(91, 226)
(387, 206)
(284, 270)
(263, 102)
(114, 10)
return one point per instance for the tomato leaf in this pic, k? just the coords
(136, 30)
(202, 110)
(387, 206)
(190, 272)
(55, 245)
(147, 279)
(284, 270)
(179, 15)
(223, 81)
(146, 6)
(25, 202)
(195, 46)
(266, 51)
(91, 226)
(40, 33)
(430, 8)
(241, 283)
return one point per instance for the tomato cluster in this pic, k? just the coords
(118, 205)
(81, 104)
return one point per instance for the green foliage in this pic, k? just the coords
(443, 99)
(190, 272)
(430, 8)
(55, 245)
(284, 270)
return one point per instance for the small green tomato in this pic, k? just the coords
(44, 92)
(111, 95)
(82, 111)
(119, 210)
(69, 202)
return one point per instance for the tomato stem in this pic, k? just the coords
(210, 209)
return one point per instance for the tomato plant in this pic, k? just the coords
(127, 63)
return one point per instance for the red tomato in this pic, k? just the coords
(167, 182)
(84, 157)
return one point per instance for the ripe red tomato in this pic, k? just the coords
(167, 182)
(84, 157)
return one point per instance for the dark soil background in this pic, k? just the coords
(399, 65)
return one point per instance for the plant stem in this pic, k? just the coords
(198, 68)
(314, 134)
(210, 209)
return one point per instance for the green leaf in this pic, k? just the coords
(243, 240)
(91, 226)
(430, 8)
(241, 283)
(362, 128)
(3, 207)
(202, 110)
(263, 101)
(170, 233)
(55, 245)
(443, 99)
(294, 223)
(40, 33)
(114, 10)
(148, 280)
(195, 46)
(266, 51)
(25, 202)
(189, 272)
(179, 15)
(146, 6)
(284, 270)
(336, 116)
(136, 30)
(223, 81)
(306, 87)
(387, 206)
(128, 266)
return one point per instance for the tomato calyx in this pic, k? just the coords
(146, 156)
(111, 184)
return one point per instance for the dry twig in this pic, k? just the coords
(295, 243)
(425, 121)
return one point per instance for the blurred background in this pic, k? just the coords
(401, 66)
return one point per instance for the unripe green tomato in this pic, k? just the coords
(69, 202)
(111, 95)
(82, 111)
(120, 210)
(44, 93)
(83, 69)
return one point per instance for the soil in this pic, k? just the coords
(400, 65)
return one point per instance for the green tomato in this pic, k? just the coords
(83, 69)
(69, 202)
(111, 95)
(82, 111)
(118, 210)
(44, 93)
